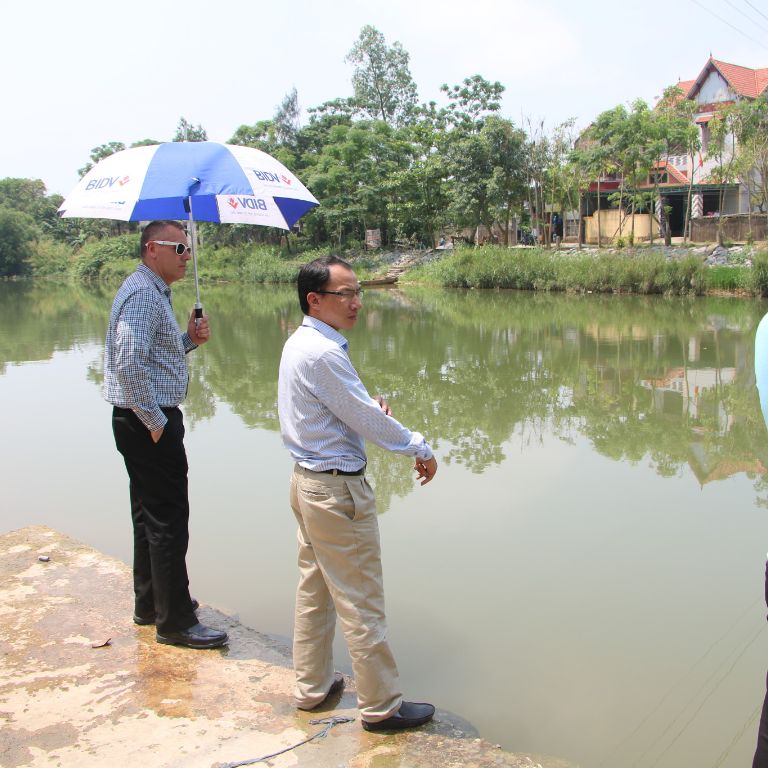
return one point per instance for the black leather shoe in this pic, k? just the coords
(410, 715)
(337, 686)
(197, 636)
(144, 620)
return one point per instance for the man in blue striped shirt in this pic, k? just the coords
(326, 415)
(145, 379)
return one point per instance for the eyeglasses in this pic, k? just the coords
(181, 248)
(348, 293)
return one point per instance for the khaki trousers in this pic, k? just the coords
(340, 574)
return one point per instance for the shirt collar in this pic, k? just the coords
(326, 330)
(158, 281)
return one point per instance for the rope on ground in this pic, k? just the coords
(329, 722)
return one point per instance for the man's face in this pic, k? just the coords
(340, 312)
(163, 259)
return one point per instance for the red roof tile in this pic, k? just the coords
(762, 80)
(685, 86)
(745, 81)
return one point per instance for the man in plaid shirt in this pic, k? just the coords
(145, 379)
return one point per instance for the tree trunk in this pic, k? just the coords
(621, 206)
(687, 226)
(599, 223)
(720, 216)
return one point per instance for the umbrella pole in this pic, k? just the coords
(193, 239)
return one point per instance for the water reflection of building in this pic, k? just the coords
(708, 465)
(682, 390)
(695, 406)
(697, 394)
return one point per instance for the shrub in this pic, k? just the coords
(682, 277)
(729, 278)
(92, 257)
(18, 233)
(50, 258)
(760, 274)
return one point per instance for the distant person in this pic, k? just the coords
(145, 379)
(761, 378)
(326, 414)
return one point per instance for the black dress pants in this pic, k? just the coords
(160, 512)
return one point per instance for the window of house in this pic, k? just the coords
(704, 137)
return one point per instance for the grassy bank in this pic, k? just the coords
(643, 271)
(114, 258)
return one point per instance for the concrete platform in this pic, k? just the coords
(81, 685)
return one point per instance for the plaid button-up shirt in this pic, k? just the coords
(144, 357)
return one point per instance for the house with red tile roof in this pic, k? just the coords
(717, 85)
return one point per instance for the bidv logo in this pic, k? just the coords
(254, 203)
(107, 181)
(269, 176)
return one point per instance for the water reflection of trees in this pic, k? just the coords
(670, 382)
(41, 318)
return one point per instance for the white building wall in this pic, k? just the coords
(715, 90)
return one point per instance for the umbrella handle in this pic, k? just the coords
(193, 239)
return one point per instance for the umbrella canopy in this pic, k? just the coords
(204, 181)
(198, 181)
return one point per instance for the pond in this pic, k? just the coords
(582, 581)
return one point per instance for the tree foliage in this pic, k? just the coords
(382, 82)
(471, 101)
(99, 153)
(185, 131)
(18, 234)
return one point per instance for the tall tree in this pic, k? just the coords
(472, 101)
(419, 191)
(561, 177)
(185, 131)
(382, 82)
(18, 233)
(724, 127)
(286, 118)
(350, 176)
(679, 135)
(260, 135)
(751, 128)
(29, 196)
(488, 170)
(537, 161)
(595, 161)
(507, 185)
(99, 153)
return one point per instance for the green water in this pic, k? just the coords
(583, 580)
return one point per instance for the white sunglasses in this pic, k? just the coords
(181, 248)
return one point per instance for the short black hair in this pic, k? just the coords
(150, 231)
(315, 276)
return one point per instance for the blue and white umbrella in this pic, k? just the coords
(198, 181)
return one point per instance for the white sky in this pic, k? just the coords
(81, 73)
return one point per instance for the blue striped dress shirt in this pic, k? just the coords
(145, 368)
(325, 411)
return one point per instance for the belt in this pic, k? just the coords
(335, 472)
(163, 408)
